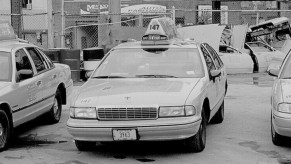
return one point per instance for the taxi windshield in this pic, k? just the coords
(286, 72)
(5, 66)
(151, 63)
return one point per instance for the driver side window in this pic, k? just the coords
(23, 66)
(37, 59)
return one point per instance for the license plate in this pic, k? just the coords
(121, 135)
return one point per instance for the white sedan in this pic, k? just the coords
(156, 89)
(235, 61)
(265, 56)
(281, 102)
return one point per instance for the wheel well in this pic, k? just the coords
(6, 108)
(62, 89)
(206, 108)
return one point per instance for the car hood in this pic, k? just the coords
(286, 91)
(210, 34)
(110, 92)
(4, 84)
(238, 36)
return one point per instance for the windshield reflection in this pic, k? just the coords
(151, 63)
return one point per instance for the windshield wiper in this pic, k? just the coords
(107, 77)
(156, 76)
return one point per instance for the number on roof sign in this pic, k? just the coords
(154, 27)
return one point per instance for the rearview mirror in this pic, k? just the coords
(274, 72)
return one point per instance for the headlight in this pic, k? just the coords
(176, 111)
(83, 113)
(284, 107)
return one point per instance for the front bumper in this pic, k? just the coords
(145, 132)
(282, 123)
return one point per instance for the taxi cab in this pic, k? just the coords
(157, 89)
(281, 102)
(30, 84)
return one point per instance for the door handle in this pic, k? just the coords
(54, 76)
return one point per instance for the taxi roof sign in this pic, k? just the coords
(160, 31)
(6, 31)
(162, 26)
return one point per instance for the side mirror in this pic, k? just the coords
(24, 74)
(88, 74)
(215, 73)
(274, 72)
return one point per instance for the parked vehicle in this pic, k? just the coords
(264, 56)
(158, 89)
(281, 102)
(30, 85)
(235, 61)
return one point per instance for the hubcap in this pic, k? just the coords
(56, 107)
(1, 130)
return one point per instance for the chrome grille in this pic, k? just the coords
(127, 113)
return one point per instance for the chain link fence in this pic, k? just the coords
(33, 26)
(86, 31)
(227, 17)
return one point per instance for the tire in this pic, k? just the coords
(55, 112)
(219, 115)
(197, 142)
(277, 139)
(5, 130)
(85, 145)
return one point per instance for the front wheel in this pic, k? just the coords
(56, 110)
(197, 142)
(219, 116)
(277, 139)
(5, 130)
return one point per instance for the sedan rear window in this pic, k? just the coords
(5, 66)
(159, 63)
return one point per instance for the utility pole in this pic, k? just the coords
(63, 24)
(16, 21)
(50, 24)
(115, 12)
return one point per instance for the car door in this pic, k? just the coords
(41, 68)
(26, 89)
(219, 66)
(50, 79)
(212, 86)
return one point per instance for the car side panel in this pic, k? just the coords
(27, 96)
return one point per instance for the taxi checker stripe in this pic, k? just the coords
(20, 109)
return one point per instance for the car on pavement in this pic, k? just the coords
(30, 84)
(157, 89)
(235, 61)
(264, 56)
(281, 102)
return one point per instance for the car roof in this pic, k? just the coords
(172, 44)
(9, 45)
